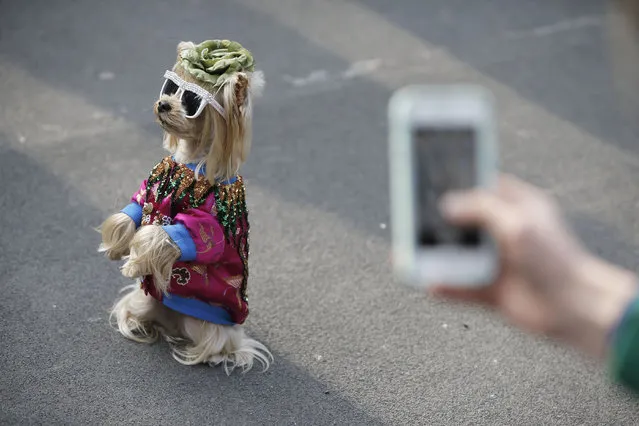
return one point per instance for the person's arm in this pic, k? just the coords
(549, 283)
(592, 304)
(624, 348)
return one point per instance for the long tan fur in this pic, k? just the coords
(232, 136)
(117, 232)
(206, 343)
(135, 313)
(152, 253)
(221, 143)
(141, 318)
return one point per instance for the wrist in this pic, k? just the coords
(134, 211)
(596, 298)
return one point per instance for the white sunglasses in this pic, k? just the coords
(193, 97)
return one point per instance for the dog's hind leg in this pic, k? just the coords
(215, 344)
(140, 317)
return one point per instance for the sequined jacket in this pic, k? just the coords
(209, 224)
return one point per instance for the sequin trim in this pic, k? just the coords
(232, 213)
(178, 182)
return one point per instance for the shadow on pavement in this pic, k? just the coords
(63, 364)
(61, 360)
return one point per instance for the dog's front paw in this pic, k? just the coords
(152, 253)
(117, 232)
(133, 267)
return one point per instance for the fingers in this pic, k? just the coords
(478, 208)
(503, 212)
(516, 191)
(511, 189)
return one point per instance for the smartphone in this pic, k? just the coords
(441, 138)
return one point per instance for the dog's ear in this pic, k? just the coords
(238, 107)
(232, 132)
(241, 93)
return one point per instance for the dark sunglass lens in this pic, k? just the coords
(169, 88)
(191, 102)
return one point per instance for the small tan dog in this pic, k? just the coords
(185, 233)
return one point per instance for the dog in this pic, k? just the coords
(184, 234)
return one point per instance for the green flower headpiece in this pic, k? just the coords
(215, 61)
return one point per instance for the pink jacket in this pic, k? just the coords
(209, 224)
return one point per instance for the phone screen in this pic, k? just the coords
(444, 161)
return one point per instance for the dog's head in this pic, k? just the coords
(205, 104)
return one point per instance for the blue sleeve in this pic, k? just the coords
(180, 236)
(134, 211)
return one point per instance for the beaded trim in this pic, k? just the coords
(185, 85)
(232, 213)
(178, 181)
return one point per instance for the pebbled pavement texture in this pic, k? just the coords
(77, 81)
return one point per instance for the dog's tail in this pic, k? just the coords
(216, 344)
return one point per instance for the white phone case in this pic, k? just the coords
(437, 106)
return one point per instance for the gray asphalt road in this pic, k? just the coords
(77, 80)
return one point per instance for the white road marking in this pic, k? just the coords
(50, 116)
(538, 131)
(560, 27)
(362, 68)
(317, 77)
(106, 75)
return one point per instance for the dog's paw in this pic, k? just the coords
(133, 268)
(152, 253)
(117, 232)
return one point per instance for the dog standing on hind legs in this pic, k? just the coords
(184, 235)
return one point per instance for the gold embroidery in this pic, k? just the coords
(200, 269)
(235, 281)
(141, 196)
(206, 239)
(239, 297)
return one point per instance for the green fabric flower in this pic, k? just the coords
(215, 61)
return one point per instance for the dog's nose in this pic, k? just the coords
(164, 106)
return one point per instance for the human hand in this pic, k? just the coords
(548, 282)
